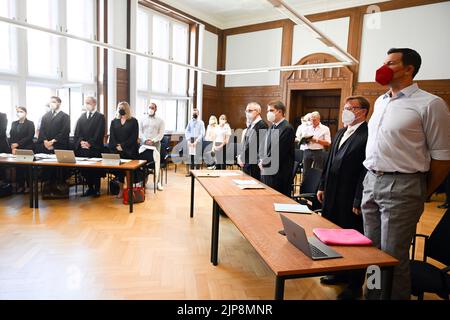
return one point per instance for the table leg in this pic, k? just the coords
(215, 234)
(279, 288)
(130, 191)
(192, 194)
(31, 185)
(386, 285)
(36, 188)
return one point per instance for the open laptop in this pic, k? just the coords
(65, 156)
(24, 155)
(311, 246)
(111, 159)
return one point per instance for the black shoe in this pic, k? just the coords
(332, 280)
(349, 294)
(96, 194)
(443, 206)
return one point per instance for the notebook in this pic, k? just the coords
(342, 237)
(287, 207)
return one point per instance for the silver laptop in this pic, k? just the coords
(24, 155)
(65, 156)
(311, 246)
(111, 159)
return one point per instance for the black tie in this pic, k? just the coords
(90, 115)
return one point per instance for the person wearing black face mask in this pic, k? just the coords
(194, 133)
(407, 157)
(123, 137)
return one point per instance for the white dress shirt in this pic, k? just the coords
(348, 133)
(320, 132)
(222, 132)
(151, 128)
(407, 131)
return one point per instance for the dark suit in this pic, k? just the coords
(253, 140)
(283, 137)
(4, 146)
(91, 130)
(54, 127)
(341, 182)
(22, 134)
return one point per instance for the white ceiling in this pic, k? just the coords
(226, 14)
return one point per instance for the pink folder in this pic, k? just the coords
(342, 237)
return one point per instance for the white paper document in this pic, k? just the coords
(251, 186)
(287, 207)
(240, 182)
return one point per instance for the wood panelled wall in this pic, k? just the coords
(232, 101)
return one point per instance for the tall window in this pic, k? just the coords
(49, 65)
(6, 94)
(43, 55)
(157, 81)
(7, 36)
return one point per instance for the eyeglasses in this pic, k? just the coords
(248, 111)
(352, 108)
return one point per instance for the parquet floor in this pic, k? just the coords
(86, 248)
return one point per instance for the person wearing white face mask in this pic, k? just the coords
(21, 137)
(221, 139)
(340, 189)
(277, 162)
(151, 132)
(88, 142)
(253, 141)
(300, 134)
(54, 134)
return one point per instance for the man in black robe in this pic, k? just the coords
(340, 188)
(54, 135)
(277, 163)
(4, 146)
(88, 142)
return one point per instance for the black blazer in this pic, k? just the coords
(22, 134)
(4, 146)
(283, 137)
(91, 130)
(342, 178)
(253, 138)
(54, 127)
(126, 135)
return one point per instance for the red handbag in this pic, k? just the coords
(138, 195)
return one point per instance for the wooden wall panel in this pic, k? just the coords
(122, 93)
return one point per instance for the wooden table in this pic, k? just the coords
(224, 185)
(130, 166)
(258, 222)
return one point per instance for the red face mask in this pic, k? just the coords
(384, 75)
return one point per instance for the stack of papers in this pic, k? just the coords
(45, 156)
(7, 155)
(248, 184)
(287, 207)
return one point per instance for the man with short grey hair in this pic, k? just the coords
(253, 141)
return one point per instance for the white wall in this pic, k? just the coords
(423, 28)
(210, 49)
(254, 50)
(305, 43)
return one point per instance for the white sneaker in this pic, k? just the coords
(159, 187)
(213, 167)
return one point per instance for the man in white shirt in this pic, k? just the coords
(320, 138)
(407, 157)
(151, 132)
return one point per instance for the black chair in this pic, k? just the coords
(298, 157)
(308, 189)
(426, 277)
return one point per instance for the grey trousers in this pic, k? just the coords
(313, 159)
(391, 206)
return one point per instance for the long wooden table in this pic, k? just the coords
(130, 167)
(252, 212)
(223, 185)
(259, 223)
